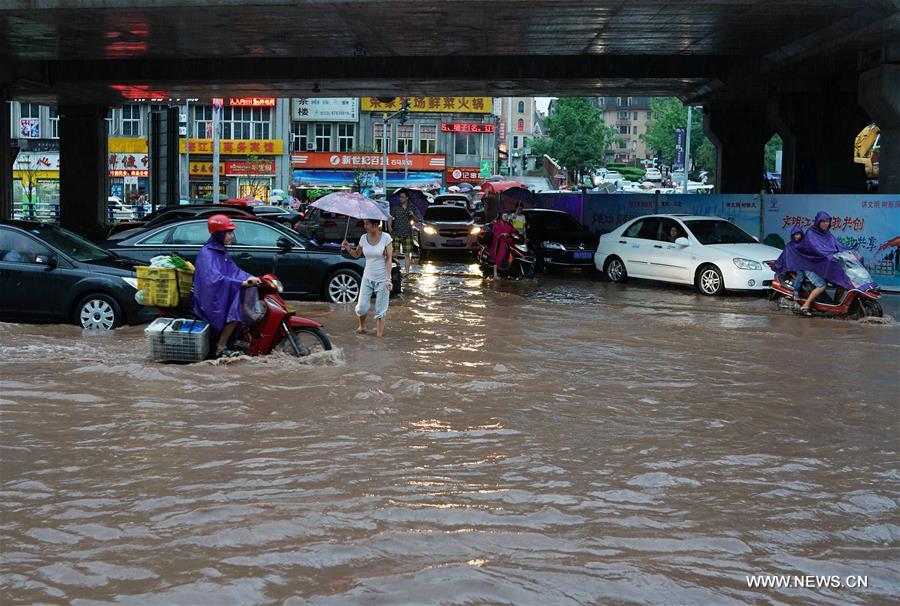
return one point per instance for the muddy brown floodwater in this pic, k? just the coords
(561, 441)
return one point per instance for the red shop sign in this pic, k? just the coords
(259, 167)
(462, 174)
(251, 102)
(466, 127)
(348, 160)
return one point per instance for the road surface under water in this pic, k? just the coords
(557, 441)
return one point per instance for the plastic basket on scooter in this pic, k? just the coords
(178, 340)
(165, 287)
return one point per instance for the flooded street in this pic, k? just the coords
(552, 442)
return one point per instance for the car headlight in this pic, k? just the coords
(553, 245)
(132, 282)
(747, 264)
(474, 230)
(431, 231)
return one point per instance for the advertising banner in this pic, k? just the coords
(129, 165)
(30, 128)
(456, 105)
(325, 109)
(868, 224)
(466, 127)
(679, 148)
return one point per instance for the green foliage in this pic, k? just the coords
(577, 136)
(668, 113)
(775, 144)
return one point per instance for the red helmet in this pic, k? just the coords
(217, 223)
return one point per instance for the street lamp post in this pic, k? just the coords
(403, 112)
(217, 110)
(687, 152)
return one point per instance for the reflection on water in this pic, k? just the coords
(556, 441)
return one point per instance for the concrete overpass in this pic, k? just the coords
(815, 71)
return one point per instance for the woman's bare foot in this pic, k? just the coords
(360, 331)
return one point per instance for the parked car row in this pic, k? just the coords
(53, 274)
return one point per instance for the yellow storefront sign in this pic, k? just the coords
(457, 105)
(127, 145)
(239, 147)
(205, 169)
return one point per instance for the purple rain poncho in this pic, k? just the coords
(787, 261)
(217, 285)
(815, 253)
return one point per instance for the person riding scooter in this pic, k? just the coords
(790, 261)
(501, 240)
(218, 282)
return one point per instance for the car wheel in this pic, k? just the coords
(99, 312)
(615, 270)
(343, 286)
(709, 281)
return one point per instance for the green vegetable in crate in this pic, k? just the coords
(178, 262)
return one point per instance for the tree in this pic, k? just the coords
(774, 145)
(577, 137)
(28, 166)
(258, 177)
(668, 113)
(364, 176)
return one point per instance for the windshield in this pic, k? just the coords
(447, 213)
(853, 269)
(73, 245)
(718, 232)
(552, 222)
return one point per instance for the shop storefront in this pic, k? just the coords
(313, 170)
(129, 168)
(246, 167)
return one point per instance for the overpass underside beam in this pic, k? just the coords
(818, 130)
(879, 93)
(740, 133)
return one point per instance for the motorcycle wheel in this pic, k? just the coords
(866, 309)
(311, 340)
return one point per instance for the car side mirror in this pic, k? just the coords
(50, 260)
(284, 245)
(682, 241)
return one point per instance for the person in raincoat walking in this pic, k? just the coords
(218, 282)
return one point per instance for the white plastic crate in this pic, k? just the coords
(178, 340)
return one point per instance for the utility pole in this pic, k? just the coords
(217, 112)
(687, 152)
(403, 112)
(187, 149)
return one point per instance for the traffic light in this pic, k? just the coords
(404, 111)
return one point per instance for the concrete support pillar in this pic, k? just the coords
(818, 130)
(6, 161)
(879, 94)
(83, 168)
(740, 133)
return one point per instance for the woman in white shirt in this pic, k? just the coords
(377, 248)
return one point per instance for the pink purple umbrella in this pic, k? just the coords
(351, 204)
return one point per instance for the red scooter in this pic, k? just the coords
(854, 303)
(279, 329)
(521, 263)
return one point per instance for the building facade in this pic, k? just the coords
(518, 116)
(629, 116)
(268, 143)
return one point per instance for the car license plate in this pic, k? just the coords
(583, 254)
(453, 243)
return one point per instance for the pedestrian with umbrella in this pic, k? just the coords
(375, 245)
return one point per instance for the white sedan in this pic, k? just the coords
(709, 252)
